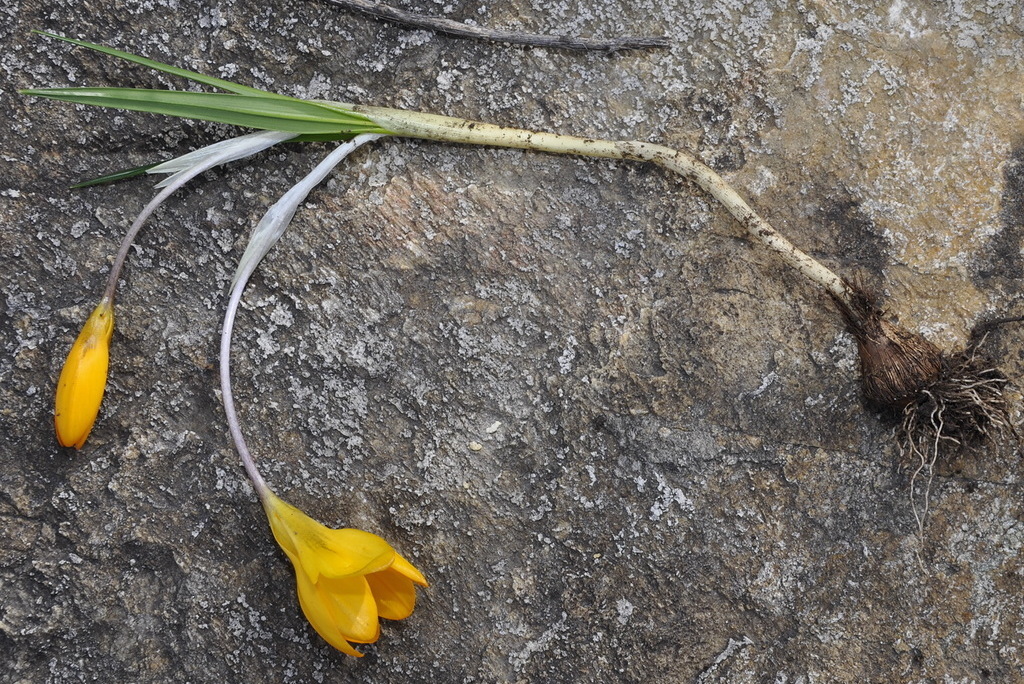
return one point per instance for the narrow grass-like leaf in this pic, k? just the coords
(168, 69)
(114, 177)
(312, 121)
(274, 114)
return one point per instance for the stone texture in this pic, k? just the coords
(623, 443)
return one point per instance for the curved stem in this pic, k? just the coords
(267, 232)
(129, 237)
(450, 129)
(225, 381)
(758, 228)
(204, 160)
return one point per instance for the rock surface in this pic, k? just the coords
(622, 442)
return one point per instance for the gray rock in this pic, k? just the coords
(622, 442)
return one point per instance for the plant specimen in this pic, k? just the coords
(943, 399)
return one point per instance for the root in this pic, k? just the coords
(964, 409)
(946, 404)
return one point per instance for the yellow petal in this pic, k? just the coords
(84, 378)
(350, 551)
(351, 604)
(319, 616)
(394, 593)
(320, 550)
(406, 568)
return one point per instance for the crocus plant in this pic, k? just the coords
(347, 578)
(943, 398)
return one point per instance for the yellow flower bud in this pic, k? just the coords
(83, 378)
(346, 578)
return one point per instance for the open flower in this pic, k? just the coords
(346, 578)
(83, 378)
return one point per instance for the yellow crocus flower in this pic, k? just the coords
(346, 578)
(83, 378)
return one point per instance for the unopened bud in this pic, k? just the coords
(83, 378)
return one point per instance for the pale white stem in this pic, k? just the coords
(264, 236)
(450, 129)
(182, 170)
(227, 397)
(273, 224)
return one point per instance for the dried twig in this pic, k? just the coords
(454, 28)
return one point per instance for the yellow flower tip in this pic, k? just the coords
(83, 378)
(347, 579)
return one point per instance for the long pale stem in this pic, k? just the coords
(265, 235)
(227, 397)
(129, 237)
(450, 129)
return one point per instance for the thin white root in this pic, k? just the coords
(965, 407)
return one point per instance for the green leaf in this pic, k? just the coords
(252, 111)
(167, 68)
(250, 107)
(114, 177)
